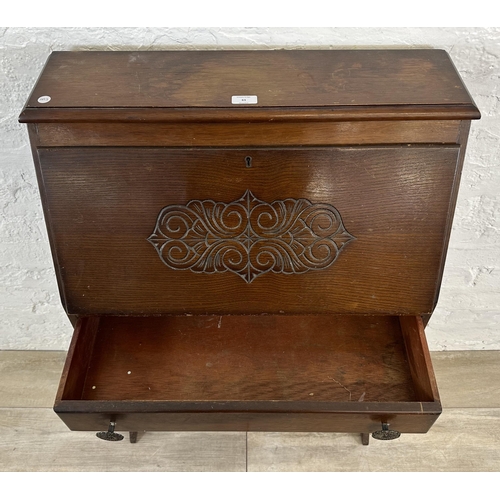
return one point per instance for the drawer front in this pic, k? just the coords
(262, 230)
(417, 418)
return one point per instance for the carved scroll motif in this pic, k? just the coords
(249, 237)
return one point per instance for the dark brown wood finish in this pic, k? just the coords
(463, 138)
(249, 358)
(249, 115)
(79, 355)
(375, 137)
(148, 417)
(280, 78)
(250, 134)
(200, 372)
(34, 144)
(394, 201)
(419, 359)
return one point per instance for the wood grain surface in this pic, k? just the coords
(249, 115)
(467, 379)
(208, 79)
(269, 133)
(245, 358)
(104, 204)
(324, 373)
(418, 358)
(128, 142)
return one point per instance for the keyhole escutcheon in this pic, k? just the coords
(248, 161)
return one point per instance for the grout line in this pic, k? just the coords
(45, 351)
(26, 407)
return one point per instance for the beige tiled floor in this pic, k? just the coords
(465, 438)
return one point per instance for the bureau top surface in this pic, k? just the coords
(365, 83)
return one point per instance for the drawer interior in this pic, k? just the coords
(267, 358)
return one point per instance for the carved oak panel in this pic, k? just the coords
(250, 237)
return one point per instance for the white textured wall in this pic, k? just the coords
(468, 312)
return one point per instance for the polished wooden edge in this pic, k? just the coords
(250, 135)
(239, 415)
(463, 138)
(250, 421)
(419, 358)
(358, 407)
(79, 326)
(472, 102)
(158, 419)
(34, 145)
(79, 352)
(276, 114)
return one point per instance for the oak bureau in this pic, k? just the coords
(249, 240)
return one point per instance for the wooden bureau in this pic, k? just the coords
(249, 240)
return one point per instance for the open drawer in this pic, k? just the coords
(323, 373)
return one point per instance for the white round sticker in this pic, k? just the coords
(44, 99)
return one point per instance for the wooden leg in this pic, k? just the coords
(133, 437)
(365, 438)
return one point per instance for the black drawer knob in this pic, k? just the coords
(386, 434)
(110, 434)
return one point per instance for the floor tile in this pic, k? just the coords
(460, 440)
(30, 378)
(468, 379)
(464, 438)
(37, 440)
